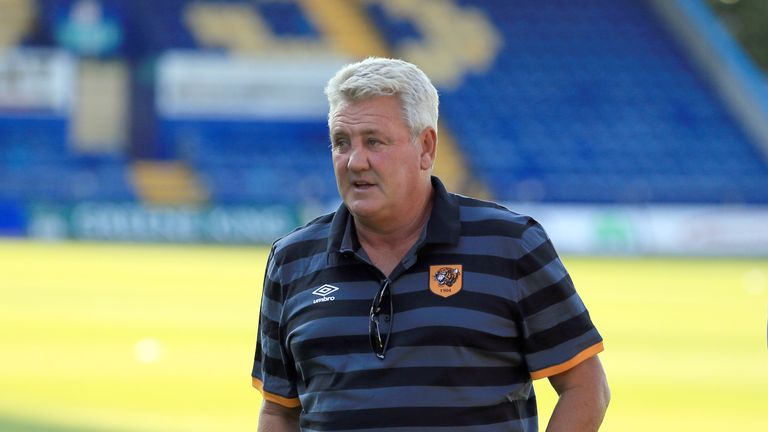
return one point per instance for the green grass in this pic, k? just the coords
(99, 337)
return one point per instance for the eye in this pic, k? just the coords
(339, 144)
(372, 141)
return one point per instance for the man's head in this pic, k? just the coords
(386, 77)
(382, 121)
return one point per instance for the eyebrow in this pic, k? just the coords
(364, 132)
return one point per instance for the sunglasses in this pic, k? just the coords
(381, 319)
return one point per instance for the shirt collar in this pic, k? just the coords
(443, 226)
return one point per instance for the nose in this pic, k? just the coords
(358, 159)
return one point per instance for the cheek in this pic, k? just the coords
(339, 164)
(340, 173)
(407, 165)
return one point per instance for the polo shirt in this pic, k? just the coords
(482, 304)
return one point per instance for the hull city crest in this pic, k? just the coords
(445, 280)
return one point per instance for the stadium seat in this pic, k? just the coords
(588, 102)
(594, 102)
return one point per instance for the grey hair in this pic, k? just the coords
(376, 76)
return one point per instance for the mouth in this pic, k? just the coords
(362, 185)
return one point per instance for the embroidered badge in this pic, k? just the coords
(445, 280)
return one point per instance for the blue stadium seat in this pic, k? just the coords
(595, 102)
(586, 102)
(256, 162)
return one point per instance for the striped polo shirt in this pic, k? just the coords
(481, 305)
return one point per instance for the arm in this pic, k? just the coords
(277, 418)
(583, 397)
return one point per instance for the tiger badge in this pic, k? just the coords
(445, 280)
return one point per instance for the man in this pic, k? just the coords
(411, 308)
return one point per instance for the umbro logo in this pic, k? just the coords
(324, 293)
(325, 290)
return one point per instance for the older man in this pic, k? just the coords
(411, 308)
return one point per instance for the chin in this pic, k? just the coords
(362, 209)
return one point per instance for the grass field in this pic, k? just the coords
(98, 337)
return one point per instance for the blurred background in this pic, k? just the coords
(149, 150)
(638, 124)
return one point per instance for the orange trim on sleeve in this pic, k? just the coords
(286, 402)
(562, 367)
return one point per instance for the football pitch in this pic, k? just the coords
(106, 337)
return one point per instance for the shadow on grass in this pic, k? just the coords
(8, 424)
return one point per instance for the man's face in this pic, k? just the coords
(376, 163)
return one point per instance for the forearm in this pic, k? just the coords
(276, 418)
(578, 410)
(583, 398)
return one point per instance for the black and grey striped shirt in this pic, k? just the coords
(481, 306)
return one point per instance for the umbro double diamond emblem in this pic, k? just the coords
(324, 293)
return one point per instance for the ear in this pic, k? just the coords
(428, 147)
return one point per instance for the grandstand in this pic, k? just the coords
(605, 108)
(629, 128)
(562, 102)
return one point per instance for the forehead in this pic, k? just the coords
(373, 113)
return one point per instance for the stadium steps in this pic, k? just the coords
(100, 117)
(351, 31)
(15, 19)
(166, 183)
(450, 166)
(248, 28)
(233, 26)
(347, 26)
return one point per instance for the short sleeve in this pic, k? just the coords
(273, 372)
(558, 332)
